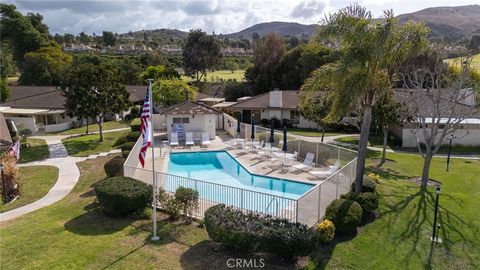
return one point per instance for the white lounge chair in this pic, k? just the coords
(331, 170)
(205, 139)
(307, 163)
(174, 139)
(189, 139)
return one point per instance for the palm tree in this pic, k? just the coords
(370, 49)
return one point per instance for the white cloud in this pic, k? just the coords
(308, 9)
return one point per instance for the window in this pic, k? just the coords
(294, 117)
(184, 120)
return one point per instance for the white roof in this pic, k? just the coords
(29, 111)
(224, 104)
(212, 99)
(464, 121)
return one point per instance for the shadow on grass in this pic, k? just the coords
(210, 255)
(34, 153)
(94, 222)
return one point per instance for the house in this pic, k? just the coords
(191, 116)
(282, 105)
(468, 131)
(5, 137)
(42, 108)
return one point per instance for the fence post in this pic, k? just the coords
(316, 155)
(241, 198)
(319, 201)
(336, 180)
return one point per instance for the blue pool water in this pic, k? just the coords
(219, 167)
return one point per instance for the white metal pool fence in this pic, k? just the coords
(308, 209)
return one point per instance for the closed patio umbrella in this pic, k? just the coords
(252, 135)
(272, 134)
(284, 147)
(238, 127)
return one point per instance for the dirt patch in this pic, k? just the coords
(431, 182)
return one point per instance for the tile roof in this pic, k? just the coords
(189, 107)
(262, 101)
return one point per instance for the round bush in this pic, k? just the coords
(345, 215)
(125, 153)
(135, 124)
(121, 141)
(326, 231)
(127, 146)
(367, 200)
(114, 167)
(368, 185)
(122, 196)
(132, 136)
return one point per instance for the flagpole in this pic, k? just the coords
(154, 182)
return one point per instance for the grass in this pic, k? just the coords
(307, 132)
(399, 239)
(35, 183)
(37, 150)
(377, 141)
(219, 75)
(474, 65)
(89, 144)
(94, 127)
(73, 234)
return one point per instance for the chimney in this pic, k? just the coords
(275, 100)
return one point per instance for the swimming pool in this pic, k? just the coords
(219, 167)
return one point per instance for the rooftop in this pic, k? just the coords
(189, 107)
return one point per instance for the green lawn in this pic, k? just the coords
(475, 61)
(73, 234)
(307, 132)
(94, 127)
(35, 183)
(399, 239)
(89, 144)
(377, 141)
(221, 75)
(37, 149)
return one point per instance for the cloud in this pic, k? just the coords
(308, 9)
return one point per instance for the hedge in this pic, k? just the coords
(127, 146)
(345, 215)
(114, 167)
(368, 185)
(367, 200)
(125, 153)
(132, 136)
(135, 124)
(256, 232)
(122, 196)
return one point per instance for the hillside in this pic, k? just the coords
(451, 23)
(281, 28)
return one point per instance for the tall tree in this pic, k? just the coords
(159, 72)
(389, 113)
(200, 53)
(93, 88)
(370, 48)
(129, 71)
(168, 92)
(315, 108)
(109, 38)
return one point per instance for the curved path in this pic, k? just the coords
(68, 175)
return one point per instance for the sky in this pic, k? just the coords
(221, 16)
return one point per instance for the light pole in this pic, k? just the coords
(449, 152)
(3, 184)
(435, 225)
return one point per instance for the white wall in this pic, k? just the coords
(197, 124)
(24, 123)
(304, 123)
(159, 122)
(58, 127)
(467, 137)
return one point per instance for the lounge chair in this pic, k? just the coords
(307, 163)
(331, 170)
(189, 139)
(174, 139)
(205, 139)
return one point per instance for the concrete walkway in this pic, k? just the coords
(68, 175)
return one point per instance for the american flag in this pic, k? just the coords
(145, 128)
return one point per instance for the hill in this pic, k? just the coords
(281, 28)
(448, 23)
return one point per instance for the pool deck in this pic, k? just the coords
(251, 161)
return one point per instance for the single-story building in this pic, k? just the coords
(42, 108)
(191, 116)
(5, 137)
(282, 105)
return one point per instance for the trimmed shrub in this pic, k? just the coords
(187, 199)
(368, 185)
(135, 124)
(132, 136)
(114, 167)
(326, 231)
(367, 200)
(256, 232)
(345, 215)
(127, 146)
(374, 177)
(122, 196)
(121, 141)
(125, 153)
